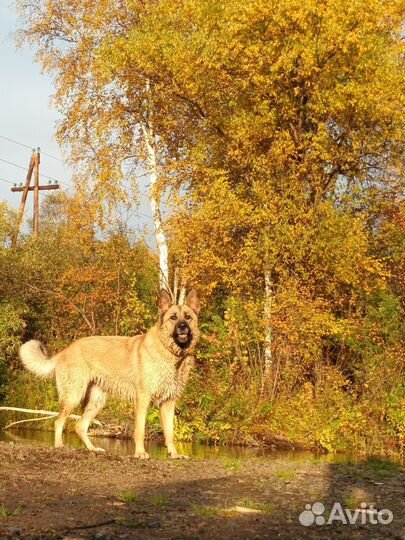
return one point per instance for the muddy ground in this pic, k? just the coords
(68, 493)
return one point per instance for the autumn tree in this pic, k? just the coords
(272, 122)
(285, 114)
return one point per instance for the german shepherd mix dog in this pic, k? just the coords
(151, 367)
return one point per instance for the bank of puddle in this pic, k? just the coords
(157, 450)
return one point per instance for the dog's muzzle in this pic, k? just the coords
(182, 334)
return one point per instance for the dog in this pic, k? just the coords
(152, 367)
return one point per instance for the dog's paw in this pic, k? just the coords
(175, 455)
(141, 455)
(98, 449)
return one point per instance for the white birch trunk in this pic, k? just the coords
(175, 285)
(182, 296)
(152, 163)
(150, 143)
(268, 300)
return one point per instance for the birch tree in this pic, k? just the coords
(107, 109)
(152, 164)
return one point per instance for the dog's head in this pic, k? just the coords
(180, 322)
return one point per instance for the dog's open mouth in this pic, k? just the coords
(183, 337)
(182, 334)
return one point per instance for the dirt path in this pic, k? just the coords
(66, 493)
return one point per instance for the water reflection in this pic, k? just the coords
(156, 450)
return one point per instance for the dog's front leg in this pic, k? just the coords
(167, 419)
(142, 403)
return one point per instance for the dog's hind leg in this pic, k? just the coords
(60, 422)
(95, 401)
(70, 396)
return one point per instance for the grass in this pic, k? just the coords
(159, 500)
(232, 464)
(285, 474)
(351, 501)
(128, 496)
(5, 513)
(205, 511)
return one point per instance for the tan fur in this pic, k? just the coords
(145, 368)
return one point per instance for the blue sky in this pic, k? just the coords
(25, 112)
(26, 116)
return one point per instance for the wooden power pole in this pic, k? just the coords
(33, 165)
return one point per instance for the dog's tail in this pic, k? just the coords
(34, 359)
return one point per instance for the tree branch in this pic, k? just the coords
(50, 413)
(61, 295)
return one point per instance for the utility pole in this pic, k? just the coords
(33, 165)
(24, 197)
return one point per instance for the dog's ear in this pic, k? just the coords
(164, 302)
(193, 302)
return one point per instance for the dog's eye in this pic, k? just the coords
(174, 317)
(187, 316)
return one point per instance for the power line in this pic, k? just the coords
(136, 213)
(52, 178)
(16, 142)
(25, 168)
(30, 147)
(14, 164)
(8, 181)
(51, 156)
